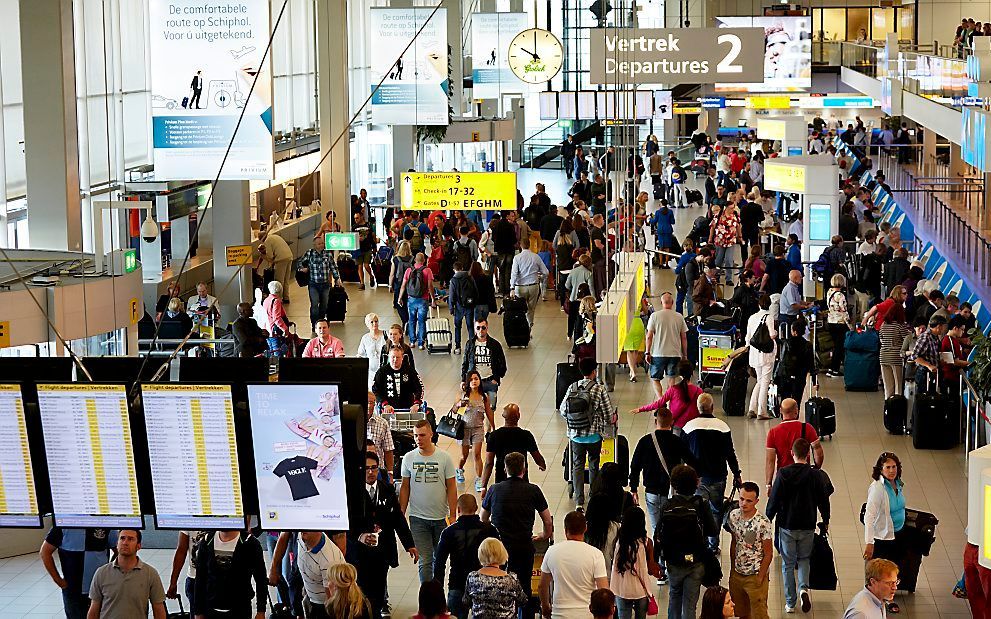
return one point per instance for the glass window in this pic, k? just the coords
(833, 25)
(906, 23)
(882, 22)
(857, 20)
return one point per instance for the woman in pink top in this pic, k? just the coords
(273, 309)
(680, 398)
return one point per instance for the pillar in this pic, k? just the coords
(709, 120)
(958, 166)
(456, 76)
(231, 223)
(51, 148)
(333, 107)
(929, 139)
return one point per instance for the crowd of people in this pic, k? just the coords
(617, 544)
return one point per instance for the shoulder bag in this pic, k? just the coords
(452, 425)
(761, 339)
(652, 609)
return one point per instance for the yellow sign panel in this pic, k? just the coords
(134, 308)
(238, 255)
(459, 191)
(4, 333)
(771, 129)
(622, 328)
(784, 177)
(476, 136)
(768, 103)
(713, 358)
(688, 109)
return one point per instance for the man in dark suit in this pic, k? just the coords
(250, 340)
(197, 86)
(371, 546)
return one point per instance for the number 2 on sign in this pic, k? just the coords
(726, 64)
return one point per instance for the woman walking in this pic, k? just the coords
(474, 409)
(633, 564)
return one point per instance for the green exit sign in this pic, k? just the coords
(340, 241)
(130, 260)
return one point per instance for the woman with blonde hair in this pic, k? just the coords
(344, 597)
(371, 344)
(402, 260)
(491, 592)
(581, 274)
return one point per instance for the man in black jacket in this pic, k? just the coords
(250, 340)
(485, 354)
(504, 245)
(799, 491)
(396, 385)
(460, 542)
(568, 147)
(226, 563)
(647, 459)
(371, 545)
(896, 271)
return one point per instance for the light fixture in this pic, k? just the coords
(149, 229)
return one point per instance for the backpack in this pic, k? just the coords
(823, 267)
(578, 407)
(681, 537)
(462, 254)
(467, 291)
(415, 243)
(415, 285)
(681, 281)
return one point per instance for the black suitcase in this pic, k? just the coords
(514, 305)
(185, 102)
(381, 269)
(735, 387)
(658, 191)
(516, 329)
(820, 413)
(337, 304)
(934, 422)
(347, 268)
(694, 196)
(567, 375)
(896, 414)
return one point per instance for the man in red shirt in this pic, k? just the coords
(783, 436)
(324, 344)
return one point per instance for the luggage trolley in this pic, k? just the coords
(717, 339)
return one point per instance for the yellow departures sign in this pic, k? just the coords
(459, 191)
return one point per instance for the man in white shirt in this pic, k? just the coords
(524, 279)
(314, 557)
(881, 578)
(574, 569)
(667, 343)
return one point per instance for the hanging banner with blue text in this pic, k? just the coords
(414, 91)
(204, 59)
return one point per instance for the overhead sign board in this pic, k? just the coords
(768, 103)
(340, 241)
(784, 177)
(238, 255)
(713, 102)
(688, 109)
(464, 191)
(787, 53)
(667, 56)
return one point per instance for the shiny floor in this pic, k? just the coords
(935, 480)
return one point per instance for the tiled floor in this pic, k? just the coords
(934, 480)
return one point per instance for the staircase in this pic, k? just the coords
(543, 149)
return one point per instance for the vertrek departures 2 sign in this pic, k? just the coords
(673, 56)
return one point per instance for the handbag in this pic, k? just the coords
(452, 425)
(761, 339)
(652, 609)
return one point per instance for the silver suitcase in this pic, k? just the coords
(439, 334)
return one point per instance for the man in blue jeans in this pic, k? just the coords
(428, 495)
(417, 292)
(587, 428)
(798, 492)
(81, 552)
(322, 268)
(485, 355)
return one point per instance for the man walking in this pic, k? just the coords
(568, 148)
(525, 276)
(781, 438)
(226, 564)
(459, 543)
(880, 585)
(125, 586)
(315, 554)
(197, 87)
(322, 268)
(751, 551)
(504, 441)
(504, 245)
(656, 455)
(667, 343)
(711, 442)
(485, 355)
(574, 570)
(589, 414)
(511, 506)
(798, 492)
(428, 495)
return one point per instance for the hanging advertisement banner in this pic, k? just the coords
(204, 59)
(415, 88)
(491, 34)
(668, 56)
(787, 53)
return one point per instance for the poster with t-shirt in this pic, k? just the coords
(299, 456)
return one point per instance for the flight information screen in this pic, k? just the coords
(193, 452)
(18, 499)
(87, 438)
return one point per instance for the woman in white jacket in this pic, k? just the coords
(371, 345)
(884, 515)
(761, 362)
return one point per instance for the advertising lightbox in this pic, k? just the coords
(204, 59)
(491, 34)
(787, 54)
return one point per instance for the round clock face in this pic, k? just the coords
(535, 55)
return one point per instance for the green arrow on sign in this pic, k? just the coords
(341, 241)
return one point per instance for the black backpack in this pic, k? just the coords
(681, 282)
(415, 285)
(578, 407)
(682, 539)
(462, 254)
(467, 291)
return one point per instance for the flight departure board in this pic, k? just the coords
(18, 499)
(90, 457)
(193, 453)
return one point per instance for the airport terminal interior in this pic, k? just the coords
(204, 201)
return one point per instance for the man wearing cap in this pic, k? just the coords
(926, 355)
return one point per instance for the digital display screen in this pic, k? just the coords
(787, 53)
(299, 456)
(87, 437)
(18, 498)
(567, 106)
(819, 222)
(548, 106)
(586, 105)
(192, 449)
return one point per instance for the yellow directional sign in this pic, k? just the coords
(238, 255)
(459, 191)
(135, 310)
(4, 333)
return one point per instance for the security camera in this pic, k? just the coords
(149, 229)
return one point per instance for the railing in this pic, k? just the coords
(860, 58)
(943, 222)
(974, 416)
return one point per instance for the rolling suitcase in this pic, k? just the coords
(820, 412)
(735, 387)
(347, 268)
(381, 269)
(337, 304)
(567, 375)
(439, 334)
(862, 361)
(515, 327)
(896, 414)
(185, 102)
(934, 421)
